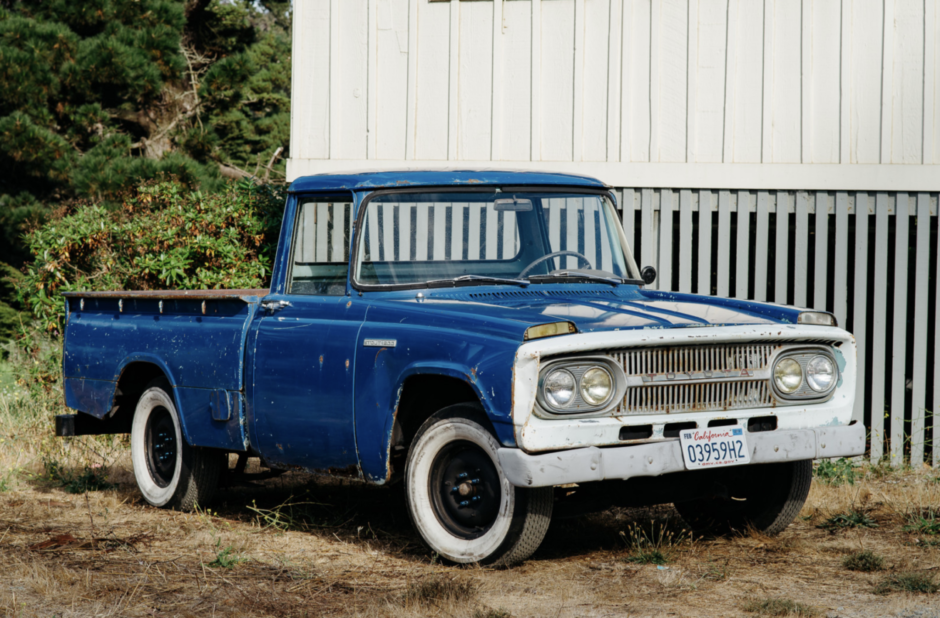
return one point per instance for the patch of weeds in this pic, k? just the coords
(653, 542)
(647, 556)
(865, 561)
(852, 519)
(300, 516)
(225, 558)
(925, 543)
(492, 613)
(779, 607)
(438, 588)
(91, 478)
(839, 472)
(925, 522)
(717, 573)
(907, 582)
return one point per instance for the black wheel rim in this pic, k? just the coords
(162, 449)
(464, 489)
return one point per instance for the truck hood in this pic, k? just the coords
(591, 308)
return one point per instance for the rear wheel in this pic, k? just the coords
(459, 500)
(764, 497)
(169, 472)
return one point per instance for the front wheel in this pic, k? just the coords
(459, 500)
(169, 472)
(764, 497)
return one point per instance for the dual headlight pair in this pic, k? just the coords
(805, 374)
(582, 385)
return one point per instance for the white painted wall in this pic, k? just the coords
(680, 93)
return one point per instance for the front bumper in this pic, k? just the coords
(584, 465)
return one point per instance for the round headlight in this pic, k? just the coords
(788, 375)
(820, 374)
(559, 388)
(596, 386)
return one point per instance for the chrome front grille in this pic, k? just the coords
(721, 359)
(696, 378)
(674, 398)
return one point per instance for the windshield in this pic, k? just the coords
(422, 238)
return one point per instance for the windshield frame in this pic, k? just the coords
(363, 206)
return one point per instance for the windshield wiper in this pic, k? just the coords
(573, 274)
(475, 280)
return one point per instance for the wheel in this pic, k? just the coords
(460, 502)
(765, 497)
(170, 473)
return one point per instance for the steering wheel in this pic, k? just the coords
(549, 256)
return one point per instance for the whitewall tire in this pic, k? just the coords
(169, 472)
(459, 500)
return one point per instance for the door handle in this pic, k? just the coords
(273, 306)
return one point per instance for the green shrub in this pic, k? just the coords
(907, 582)
(89, 479)
(163, 237)
(839, 472)
(865, 561)
(852, 519)
(926, 522)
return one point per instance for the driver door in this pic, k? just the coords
(304, 345)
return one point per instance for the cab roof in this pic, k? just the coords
(367, 180)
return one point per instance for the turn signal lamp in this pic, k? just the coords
(817, 317)
(549, 330)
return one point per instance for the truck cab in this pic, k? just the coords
(480, 338)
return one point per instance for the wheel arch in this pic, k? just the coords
(421, 391)
(134, 375)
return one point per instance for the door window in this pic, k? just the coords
(321, 248)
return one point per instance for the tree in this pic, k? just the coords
(101, 94)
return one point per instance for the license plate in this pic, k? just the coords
(714, 447)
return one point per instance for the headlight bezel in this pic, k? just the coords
(578, 366)
(805, 393)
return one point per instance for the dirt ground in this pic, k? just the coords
(344, 549)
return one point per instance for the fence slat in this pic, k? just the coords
(840, 287)
(880, 317)
(323, 215)
(801, 249)
(899, 335)
(919, 378)
(685, 241)
(492, 234)
(666, 206)
(820, 301)
(421, 231)
(705, 205)
(473, 228)
(935, 435)
(572, 208)
(741, 274)
(860, 306)
(456, 231)
(339, 227)
(439, 242)
(782, 251)
(648, 231)
(724, 240)
(629, 217)
(761, 256)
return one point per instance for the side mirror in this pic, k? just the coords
(648, 274)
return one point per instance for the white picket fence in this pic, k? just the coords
(871, 259)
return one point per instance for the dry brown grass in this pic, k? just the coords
(353, 553)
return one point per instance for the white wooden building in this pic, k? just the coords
(759, 148)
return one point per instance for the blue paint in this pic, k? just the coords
(840, 361)
(299, 388)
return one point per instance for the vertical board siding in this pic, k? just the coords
(702, 81)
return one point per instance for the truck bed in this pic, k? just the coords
(197, 337)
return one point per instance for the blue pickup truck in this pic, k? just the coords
(487, 341)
